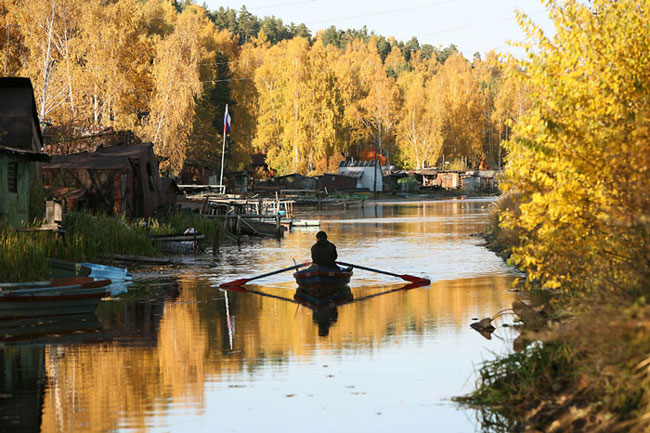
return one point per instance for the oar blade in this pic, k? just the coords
(416, 280)
(234, 284)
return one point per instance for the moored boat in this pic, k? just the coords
(83, 282)
(321, 279)
(61, 269)
(52, 300)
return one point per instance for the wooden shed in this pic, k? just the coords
(122, 179)
(20, 147)
(336, 182)
(295, 181)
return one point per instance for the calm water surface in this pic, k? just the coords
(176, 354)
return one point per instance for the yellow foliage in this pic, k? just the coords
(580, 157)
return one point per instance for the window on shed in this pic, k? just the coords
(12, 177)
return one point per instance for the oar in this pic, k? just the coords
(411, 278)
(243, 281)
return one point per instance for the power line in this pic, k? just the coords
(383, 12)
(279, 5)
(480, 24)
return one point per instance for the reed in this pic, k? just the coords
(23, 256)
(92, 236)
(178, 222)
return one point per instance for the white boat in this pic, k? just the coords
(306, 223)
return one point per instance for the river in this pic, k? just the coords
(176, 354)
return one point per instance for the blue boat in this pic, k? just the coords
(323, 279)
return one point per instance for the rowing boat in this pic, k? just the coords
(84, 282)
(319, 279)
(39, 301)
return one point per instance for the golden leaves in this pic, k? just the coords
(577, 154)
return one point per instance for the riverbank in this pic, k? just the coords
(580, 364)
(24, 255)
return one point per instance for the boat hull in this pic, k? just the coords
(55, 302)
(320, 299)
(320, 281)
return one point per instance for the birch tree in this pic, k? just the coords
(176, 84)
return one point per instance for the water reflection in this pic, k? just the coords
(176, 351)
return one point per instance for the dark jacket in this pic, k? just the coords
(323, 253)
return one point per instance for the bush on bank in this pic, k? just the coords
(579, 224)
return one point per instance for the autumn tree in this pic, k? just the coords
(463, 110)
(511, 101)
(300, 111)
(47, 28)
(579, 158)
(217, 77)
(372, 98)
(176, 83)
(11, 45)
(113, 81)
(419, 135)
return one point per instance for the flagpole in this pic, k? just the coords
(223, 151)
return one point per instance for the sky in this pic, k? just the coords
(472, 25)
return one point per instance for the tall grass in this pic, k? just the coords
(24, 256)
(88, 237)
(92, 236)
(178, 222)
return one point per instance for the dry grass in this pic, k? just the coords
(590, 373)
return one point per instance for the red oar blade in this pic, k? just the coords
(239, 289)
(234, 284)
(416, 280)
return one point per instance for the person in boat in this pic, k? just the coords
(323, 252)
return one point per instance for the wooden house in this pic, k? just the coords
(121, 179)
(20, 147)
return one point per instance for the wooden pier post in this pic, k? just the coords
(278, 226)
(215, 244)
(238, 230)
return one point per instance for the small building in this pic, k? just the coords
(470, 181)
(295, 181)
(427, 177)
(448, 179)
(169, 191)
(122, 179)
(238, 182)
(367, 173)
(408, 184)
(20, 147)
(489, 180)
(332, 182)
(195, 173)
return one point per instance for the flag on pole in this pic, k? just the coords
(226, 121)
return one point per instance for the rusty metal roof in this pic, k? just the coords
(113, 158)
(31, 155)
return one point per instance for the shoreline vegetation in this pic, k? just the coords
(574, 219)
(88, 237)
